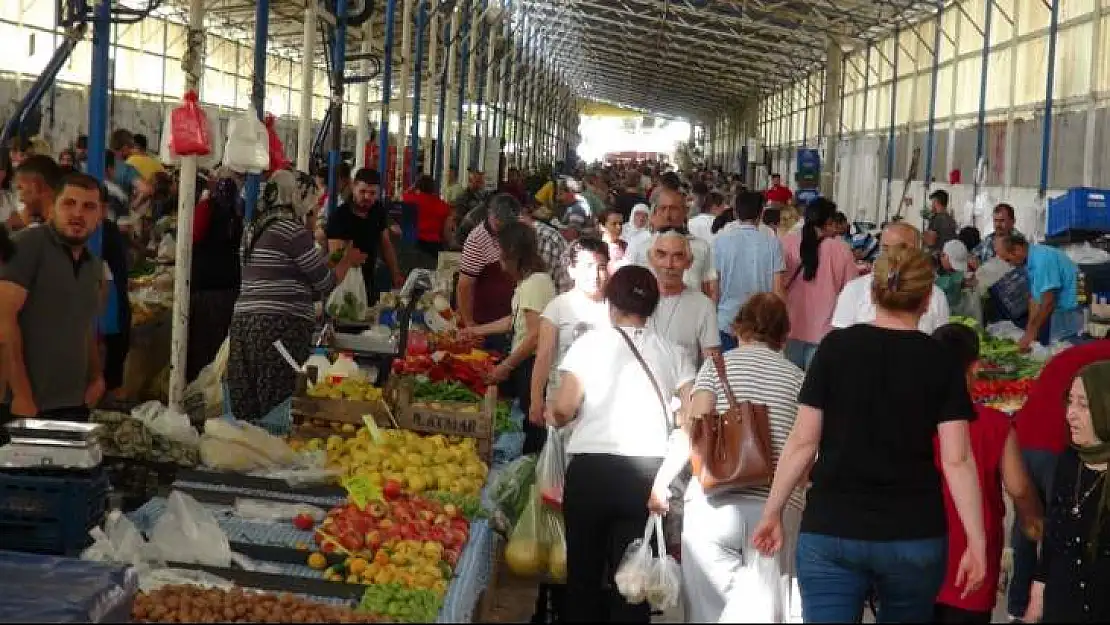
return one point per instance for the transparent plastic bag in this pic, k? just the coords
(207, 389)
(757, 592)
(551, 469)
(119, 542)
(155, 579)
(189, 136)
(349, 300)
(633, 574)
(248, 144)
(554, 539)
(166, 422)
(525, 553)
(509, 488)
(188, 532)
(665, 578)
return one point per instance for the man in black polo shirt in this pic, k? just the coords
(50, 298)
(363, 222)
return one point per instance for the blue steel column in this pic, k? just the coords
(440, 121)
(930, 141)
(414, 131)
(98, 102)
(981, 127)
(1046, 139)
(338, 62)
(890, 131)
(464, 62)
(387, 88)
(258, 92)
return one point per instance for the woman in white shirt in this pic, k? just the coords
(622, 408)
(520, 258)
(718, 564)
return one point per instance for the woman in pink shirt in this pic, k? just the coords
(818, 265)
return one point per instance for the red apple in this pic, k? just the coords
(392, 489)
(303, 522)
(351, 541)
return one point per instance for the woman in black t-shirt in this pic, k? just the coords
(874, 514)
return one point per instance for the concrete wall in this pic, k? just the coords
(1012, 171)
(140, 115)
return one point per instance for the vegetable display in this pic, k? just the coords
(502, 419)
(443, 391)
(470, 372)
(400, 603)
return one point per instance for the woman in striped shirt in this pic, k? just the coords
(284, 273)
(716, 531)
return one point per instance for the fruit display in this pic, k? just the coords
(412, 541)
(348, 388)
(405, 461)
(193, 604)
(406, 605)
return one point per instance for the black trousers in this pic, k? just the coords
(116, 347)
(605, 509)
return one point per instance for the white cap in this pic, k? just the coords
(957, 255)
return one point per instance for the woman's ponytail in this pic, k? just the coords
(817, 215)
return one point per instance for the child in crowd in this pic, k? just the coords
(998, 460)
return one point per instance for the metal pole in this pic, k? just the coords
(1046, 139)
(258, 91)
(474, 38)
(414, 131)
(890, 131)
(362, 122)
(193, 65)
(488, 35)
(308, 70)
(430, 98)
(387, 90)
(403, 94)
(98, 96)
(930, 140)
(981, 126)
(447, 92)
(464, 62)
(338, 62)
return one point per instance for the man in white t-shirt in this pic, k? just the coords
(701, 225)
(670, 214)
(684, 315)
(854, 305)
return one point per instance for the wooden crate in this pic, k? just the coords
(448, 418)
(306, 408)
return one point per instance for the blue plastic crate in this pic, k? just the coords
(50, 513)
(1081, 208)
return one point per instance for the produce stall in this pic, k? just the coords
(150, 294)
(1005, 374)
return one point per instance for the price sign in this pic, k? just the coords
(361, 491)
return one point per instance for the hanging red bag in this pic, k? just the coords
(277, 150)
(189, 129)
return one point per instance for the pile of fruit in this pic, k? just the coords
(192, 604)
(403, 460)
(412, 541)
(348, 388)
(405, 605)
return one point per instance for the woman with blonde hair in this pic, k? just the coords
(716, 530)
(875, 515)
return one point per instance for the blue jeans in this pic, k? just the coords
(800, 353)
(1041, 466)
(835, 576)
(728, 342)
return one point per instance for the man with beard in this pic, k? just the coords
(36, 179)
(50, 298)
(363, 222)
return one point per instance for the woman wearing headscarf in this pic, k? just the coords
(637, 222)
(283, 273)
(1072, 581)
(217, 232)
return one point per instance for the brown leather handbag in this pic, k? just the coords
(731, 451)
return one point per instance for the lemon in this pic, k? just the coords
(317, 561)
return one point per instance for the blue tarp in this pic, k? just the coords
(49, 589)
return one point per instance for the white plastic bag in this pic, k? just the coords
(119, 542)
(756, 593)
(248, 144)
(167, 423)
(167, 248)
(207, 389)
(155, 579)
(187, 532)
(210, 160)
(232, 445)
(349, 300)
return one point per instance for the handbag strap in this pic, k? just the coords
(719, 365)
(794, 277)
(650, 375)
